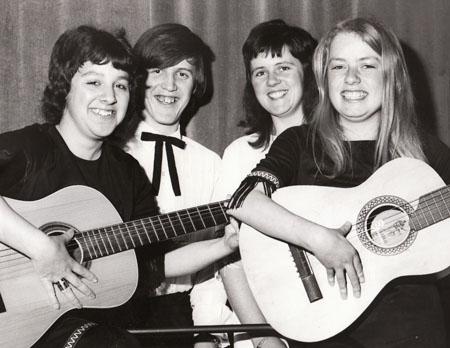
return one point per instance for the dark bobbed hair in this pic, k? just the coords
(74, 48)
(270, 38)
(163, 46)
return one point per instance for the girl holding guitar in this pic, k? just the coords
(365, 117)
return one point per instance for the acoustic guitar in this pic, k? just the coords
(400, 228)
(25, 311)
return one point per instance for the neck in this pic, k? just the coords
(280, 124)
(86, 150)
(160, 128)
(366, 130)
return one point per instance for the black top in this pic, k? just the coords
(35, 162)
(290, 159)
(408, 308)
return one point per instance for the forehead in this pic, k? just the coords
(184, 65)
(350, 46)
(105, 70)
(266, 59)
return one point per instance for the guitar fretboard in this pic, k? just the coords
(433, 207)
(112, 239)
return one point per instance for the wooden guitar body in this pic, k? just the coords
(27, 312)
(399, 229)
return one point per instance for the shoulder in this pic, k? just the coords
(120, 157)
(242, 145)
(200, 149)
(34, 139)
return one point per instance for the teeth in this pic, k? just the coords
(277, 94)
(354, 95)
(102, 112)
(165, 100)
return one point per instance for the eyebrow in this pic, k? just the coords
(362, 58)
(122, 75)
(279, 63)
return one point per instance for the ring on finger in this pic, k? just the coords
(62, 284)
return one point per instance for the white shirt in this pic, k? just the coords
(198, 171)
(238, 160)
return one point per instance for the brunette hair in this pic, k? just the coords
(270, 38)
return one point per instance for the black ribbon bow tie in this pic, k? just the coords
(157, 162)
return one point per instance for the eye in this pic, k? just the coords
(259, 73)
(184, 75)
(122, 85)
(94, 83)
(154, 71)
(285, 68)
(369, 66)
(337, 67)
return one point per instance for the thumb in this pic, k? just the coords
(68, 235)
(345, 228)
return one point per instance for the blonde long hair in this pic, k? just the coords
(397, 135)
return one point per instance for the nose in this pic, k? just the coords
(352, 76)
(109, 95)
(169, 82)
(273, 78)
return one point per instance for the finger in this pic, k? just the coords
(354, 280)
(80, 286)
(68, 293)
(330, 276)
(51, 293)
(68, 235)
(234, 223)
(84, 272)
(359, 268)
(342, 283)
(345, 228)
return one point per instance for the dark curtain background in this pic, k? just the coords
(29, 28)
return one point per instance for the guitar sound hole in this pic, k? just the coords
(388, 226)
(57, 228)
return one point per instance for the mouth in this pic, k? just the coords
(103, 113)
(277, 94)
(166, 100)
(354, 95)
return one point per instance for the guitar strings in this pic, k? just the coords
(166, 222)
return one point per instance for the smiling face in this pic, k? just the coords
(96, 104)
(278, 83)
(355, 79)
(168, 92)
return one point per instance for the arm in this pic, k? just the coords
(48, 254)
(195, 256)
(329, 246)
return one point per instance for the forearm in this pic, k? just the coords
(268, 217)
(195, 256)
(239, 294)
(18, 233)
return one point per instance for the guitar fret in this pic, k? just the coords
(181, 222)
(86, 244)
(154, 229)
(130, 235)
(201, 218)
(117, 241)
(190, 219)
(145, 230)
(124, 240)
(445, 203)
(137, 233)
(212, 215)
(173, 228)
(109, 240)
(162, 226)
(224, 214)
(93, 247)
(103, 242)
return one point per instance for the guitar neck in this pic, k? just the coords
(433, 208)
(112, 239)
